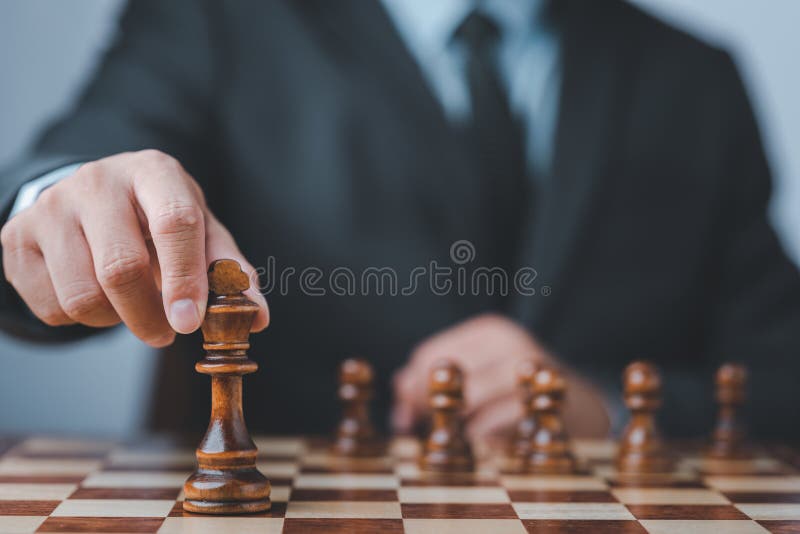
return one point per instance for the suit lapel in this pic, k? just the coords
(594, 87)
(363, 32)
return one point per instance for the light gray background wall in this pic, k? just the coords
(46, 49)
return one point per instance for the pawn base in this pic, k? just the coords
(238, 491)
(227, 507)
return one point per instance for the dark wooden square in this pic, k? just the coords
(344, 495)
(457, 511)
(687, 511)
(560, 496)
(781, 527)
(126, 493)
(101, 524)
(27, 507)
(762, 497)
(572, 526)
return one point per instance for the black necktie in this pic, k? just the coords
(497, 139)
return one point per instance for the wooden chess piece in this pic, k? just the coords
(356, 436)
(519, 446)
(728, 439)
(446, 449)
(226, 480)
(641, 450)
(549, 445)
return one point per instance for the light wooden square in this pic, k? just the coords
(278, 469)
(754, 483)
(280, 493)
(572, 510)
(280, 446)
(152, 458)
(771, 511)
(113, 508)
(36, 492)
(19, 524)
(327, 459)
(699, 526)
(553, 483)
(45, 445)
(41, 466)
(674, 496)
(463, 526)
(734, 467)
(136, 479)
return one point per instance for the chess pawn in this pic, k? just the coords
(728, 437)
(641, 450)
(446, 449)
(520, 445)
(549, 445)
(226, 480)
(356, 436)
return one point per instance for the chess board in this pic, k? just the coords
(64, 485)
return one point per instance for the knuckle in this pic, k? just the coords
(11, 235)
(89, 176)
(51, 316)
(155, 159)
(177, 218)
(89, 169)
(82, 300)
(122, 267)
(49, 200)
(155, 156)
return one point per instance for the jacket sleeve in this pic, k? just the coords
(756, 318)
(154, 88)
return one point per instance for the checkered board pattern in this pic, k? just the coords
(56, 485)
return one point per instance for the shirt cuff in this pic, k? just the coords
(30, 191)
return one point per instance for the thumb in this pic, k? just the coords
(220, 245)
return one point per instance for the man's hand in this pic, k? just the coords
(489, 349)
(125, 239)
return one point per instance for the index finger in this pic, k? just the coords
(175, 219)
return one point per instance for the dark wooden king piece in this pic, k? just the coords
(446, 450)
(641, 449)
(356, 437)
(226, 480)
(728, 440)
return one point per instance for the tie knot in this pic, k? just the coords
(478, 32)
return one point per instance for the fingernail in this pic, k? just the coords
(184, 316)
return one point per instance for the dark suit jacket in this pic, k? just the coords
(314, 136)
